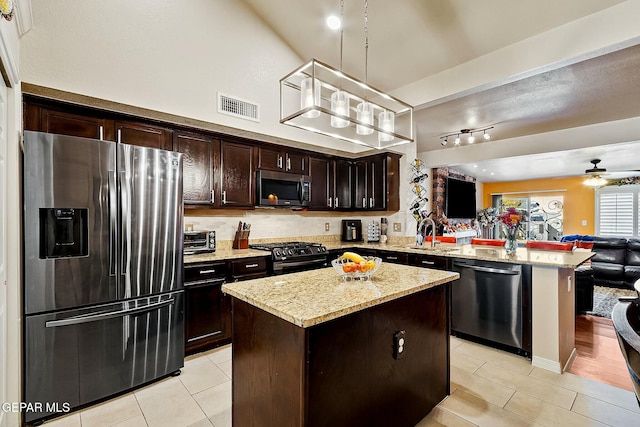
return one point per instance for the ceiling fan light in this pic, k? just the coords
(339, 105)
(595, 181)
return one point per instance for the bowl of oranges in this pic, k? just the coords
(353, 266)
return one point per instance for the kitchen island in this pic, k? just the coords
(310, 349)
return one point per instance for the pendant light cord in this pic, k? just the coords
(341, 30)
(366, 43)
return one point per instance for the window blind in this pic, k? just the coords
(616, 214)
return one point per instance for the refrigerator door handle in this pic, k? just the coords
(125, 209)
(113, 207)
(77, 320)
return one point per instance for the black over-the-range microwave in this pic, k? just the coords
(282, 189)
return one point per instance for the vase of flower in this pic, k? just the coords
(511, 220)
(511, 244)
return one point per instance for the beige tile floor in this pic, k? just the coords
(488, 388)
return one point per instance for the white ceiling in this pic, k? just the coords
(410, 40)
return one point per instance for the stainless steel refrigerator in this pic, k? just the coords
(103, 285)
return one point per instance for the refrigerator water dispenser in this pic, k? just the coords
(63, 233)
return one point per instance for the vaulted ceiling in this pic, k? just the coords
(411, 40)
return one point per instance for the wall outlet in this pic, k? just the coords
(397, 226)
(584, 222)
(326, 226)
(188, 227)
(399, 344)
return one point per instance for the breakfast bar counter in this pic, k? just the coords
(310, 349)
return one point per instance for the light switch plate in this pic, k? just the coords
(326, 226)
(397, 226)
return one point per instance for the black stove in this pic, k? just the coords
(288, 257)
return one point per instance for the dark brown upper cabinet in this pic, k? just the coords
(199, 157)
(322, 181)
(277, 159)
(143, 135)
(42, 119)
(343, 184)
(235, 175)
(370, 183)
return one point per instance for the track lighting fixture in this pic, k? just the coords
(469, 133)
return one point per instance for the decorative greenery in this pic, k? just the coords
(487, 216)
(6, 9)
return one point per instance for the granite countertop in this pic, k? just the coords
(317, 296)
(560, 259)
(224, 254)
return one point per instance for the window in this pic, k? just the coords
(617, 211)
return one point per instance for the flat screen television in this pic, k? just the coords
(460, 199)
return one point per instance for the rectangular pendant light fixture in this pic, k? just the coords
(321, 99)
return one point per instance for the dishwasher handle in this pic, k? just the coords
(487, 269)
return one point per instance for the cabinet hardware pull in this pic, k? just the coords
(392, 257)
(302, 162)
(224, 197)
(119, 135)
(213, 198)
(364, 202)
(101, 133)
(288, 163)
(251, 265)
(428, 262)
(336, 204)
(329, 201)
(370, 202)
(280, 161)
(207, 271)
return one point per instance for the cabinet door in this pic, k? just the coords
(270, 159)
(377, 183)
(236, 175)
(296, 163)
(197, 162)
(360, 193)
(207, 316)
(63, 123)
(143, 135)
(321, 172)
(342, 185)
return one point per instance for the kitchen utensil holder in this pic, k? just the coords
(241, 240)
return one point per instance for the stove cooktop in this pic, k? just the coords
(288, 250)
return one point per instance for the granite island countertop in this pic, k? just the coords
(313, 297)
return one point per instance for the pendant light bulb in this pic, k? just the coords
(471, 139)
(365, 115)
(386, 122)
(457, 140)
(310, 96)
(486, 136)
(339, 105)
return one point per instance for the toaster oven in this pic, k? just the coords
(199, 241)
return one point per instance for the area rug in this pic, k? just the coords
(604, 299)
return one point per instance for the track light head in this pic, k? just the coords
(444, 141)
(486, 136)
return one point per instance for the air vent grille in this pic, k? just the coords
(238, 107)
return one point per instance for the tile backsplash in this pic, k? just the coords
(267, 224)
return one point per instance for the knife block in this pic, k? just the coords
(241, 240)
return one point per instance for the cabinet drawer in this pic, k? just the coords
(431, 261)
(394, 257)
(248, 266)
(204, 272)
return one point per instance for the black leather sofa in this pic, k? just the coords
(616, 263)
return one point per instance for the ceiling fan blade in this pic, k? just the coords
(620, 174)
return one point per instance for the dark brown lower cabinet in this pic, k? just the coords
(207, 309)
(342, 372)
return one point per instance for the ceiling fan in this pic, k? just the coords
(597, 176)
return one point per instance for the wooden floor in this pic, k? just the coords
(599, 357)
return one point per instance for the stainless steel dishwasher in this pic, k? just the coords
(492, 302)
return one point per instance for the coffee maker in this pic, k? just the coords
(351, 230)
